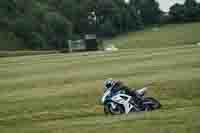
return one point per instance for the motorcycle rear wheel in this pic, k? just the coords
(151, 104)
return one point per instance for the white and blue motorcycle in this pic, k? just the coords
(120, 103)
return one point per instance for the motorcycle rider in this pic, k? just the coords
(118, 86)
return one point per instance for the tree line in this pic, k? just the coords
(48, 24)
(187, 12)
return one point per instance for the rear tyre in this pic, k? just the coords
(151, 104)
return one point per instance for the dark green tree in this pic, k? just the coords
(191, 10)
(56, 29)
(150, 11)
(177, 11)
(185, 13)
(190, 3)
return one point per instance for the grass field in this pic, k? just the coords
(165, 36)
(25, 53)
(60, 93)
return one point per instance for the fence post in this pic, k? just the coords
(70, 45)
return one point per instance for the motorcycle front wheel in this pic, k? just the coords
(108, 109)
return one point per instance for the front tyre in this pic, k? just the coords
(108, 109)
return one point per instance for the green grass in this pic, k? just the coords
(60, 93)
(25, 53)
(169, 35)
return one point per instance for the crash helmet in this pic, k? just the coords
(109, 83)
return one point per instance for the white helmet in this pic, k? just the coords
(109, 83)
